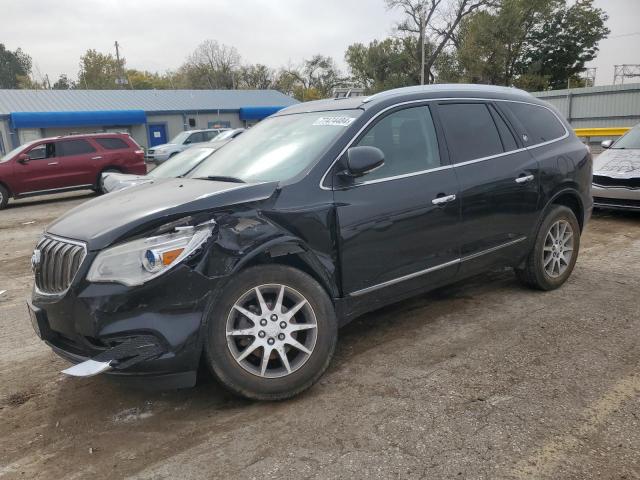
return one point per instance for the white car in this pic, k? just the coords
(181, 142)
(616, 173)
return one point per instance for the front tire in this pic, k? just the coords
(271, 334)
(4, 197)
(555, 251)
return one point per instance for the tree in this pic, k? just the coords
(259, 77)
(435, 24)
(212, 65)
(383, 64)
(98, 71)
(14, 67)
(63, 83)
(315, 78)
(532, 44)
(559, 47)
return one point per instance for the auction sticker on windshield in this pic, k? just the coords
(335, 121)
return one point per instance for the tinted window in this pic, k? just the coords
(195, 138)
(539, 124)
(408, 140)
(112, 143)
(210, 134)
(508, 141)
(470, 130)
(67, 148)
(46, 150)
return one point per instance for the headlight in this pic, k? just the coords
(136, 262)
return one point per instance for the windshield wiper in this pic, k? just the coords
(222, 178)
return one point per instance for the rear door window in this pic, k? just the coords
(539, 123)
(408, 140)
(112, 143)
(470, 131)
(69, 148)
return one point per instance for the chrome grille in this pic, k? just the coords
(59, 261)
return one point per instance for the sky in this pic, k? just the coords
(157, 35)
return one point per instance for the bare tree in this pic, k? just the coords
(216, 65)
(435, 22)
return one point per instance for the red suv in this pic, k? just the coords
(60, 164)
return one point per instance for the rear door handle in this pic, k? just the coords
(52, 163)
(443, 199)
(524, 178)
(96, 158)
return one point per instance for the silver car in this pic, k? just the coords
(177, 166)
(616, 173)
(181, 142)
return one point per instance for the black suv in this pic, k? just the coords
(320, 213)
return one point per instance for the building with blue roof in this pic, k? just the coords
(152, 117)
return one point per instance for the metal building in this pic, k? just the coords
(597, 107)
(151, 117)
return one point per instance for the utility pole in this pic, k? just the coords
(422, 48)
(121, 80)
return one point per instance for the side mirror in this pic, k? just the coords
(606, 143)
(361, 160)
(23, 158)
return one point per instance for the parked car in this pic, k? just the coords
(177, 166)
(181, 142)
(73, 162)
(318, 214)
(616, 173)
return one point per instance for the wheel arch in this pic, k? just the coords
(7, 187)
(570, 198)
(292, 252)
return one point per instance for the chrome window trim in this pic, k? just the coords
(64, 240)
(443, 167)
(419, 273)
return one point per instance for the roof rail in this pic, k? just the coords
(444, 86)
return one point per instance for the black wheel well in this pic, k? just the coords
(572, 201)
(292, 260)
(6, 187)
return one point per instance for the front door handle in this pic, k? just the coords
(443, 199)
(524, 179)
(96, 158)
(52, 163)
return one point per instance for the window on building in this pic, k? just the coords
(470, 130)
(112, 143)
(192, 122)
(68, 148)
(540, 124)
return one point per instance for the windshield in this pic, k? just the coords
(182, 163)
(180, 138)
(15, 151)
(222, 135)
(630, 140)
(277, 148)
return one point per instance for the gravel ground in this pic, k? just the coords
(480, 380)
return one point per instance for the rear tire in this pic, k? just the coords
(296, 319)
(100, 184)
(4, 197)
(555, 251)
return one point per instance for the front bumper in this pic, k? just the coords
(157, 157)
(616, 197)
(163, 320)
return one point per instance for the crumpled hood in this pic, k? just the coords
(618, 163)
(103, 220)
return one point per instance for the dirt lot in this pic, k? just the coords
(481, 380)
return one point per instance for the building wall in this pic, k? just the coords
(606, 106)
(5, 139)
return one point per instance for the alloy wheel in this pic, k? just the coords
(271, 330)
(558, 248)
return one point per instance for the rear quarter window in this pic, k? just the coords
(539, 123)
(112, 143)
